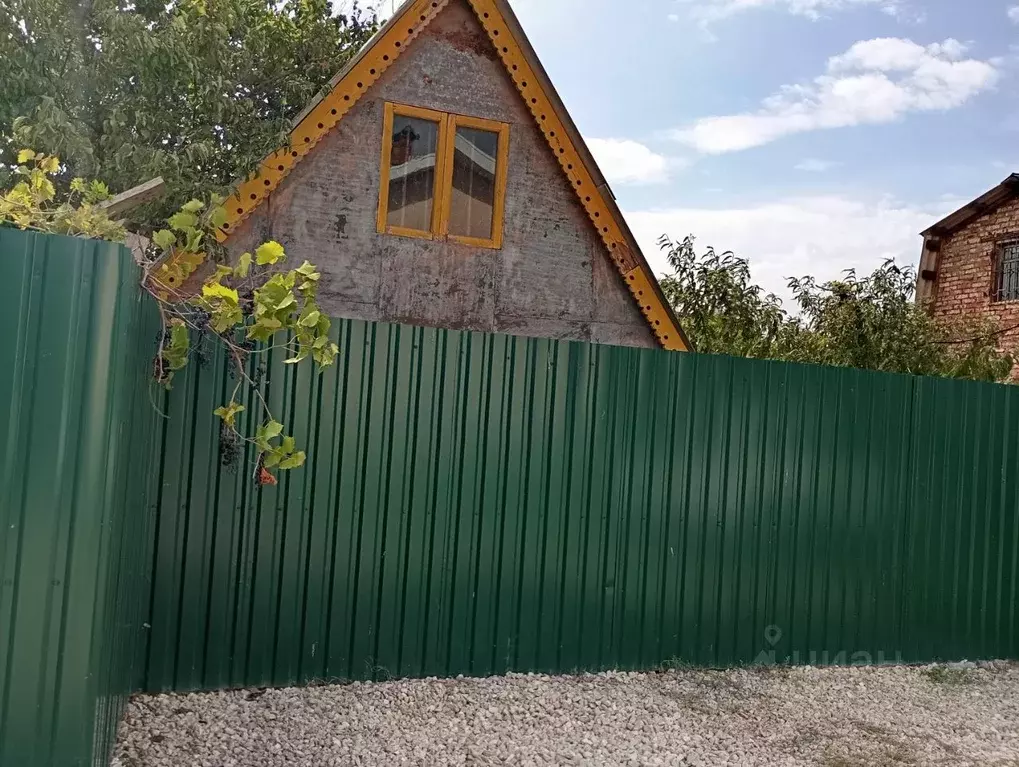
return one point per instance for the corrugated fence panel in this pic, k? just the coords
(73, 568)
(475, 504)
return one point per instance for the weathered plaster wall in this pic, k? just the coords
(552, 278)
(966, 270)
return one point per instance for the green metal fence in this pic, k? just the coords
(475, 504)
(75, 425)
(472, 504)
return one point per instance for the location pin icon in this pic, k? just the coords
(772, 635)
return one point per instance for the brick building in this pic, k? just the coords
(440, 181)
(970, 261)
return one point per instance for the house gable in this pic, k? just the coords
(983, 216)
(567, 259)
(967, 261)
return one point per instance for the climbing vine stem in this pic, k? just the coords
(250, 305)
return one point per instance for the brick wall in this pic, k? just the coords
(553, 277)
(966, 265)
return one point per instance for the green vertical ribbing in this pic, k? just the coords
(476, 504)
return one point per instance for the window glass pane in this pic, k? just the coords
(473, 194)
(412, 173)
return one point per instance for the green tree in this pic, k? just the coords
(721, 309)
(197, 91)
(869, 322)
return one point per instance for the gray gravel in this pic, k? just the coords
(840, 717)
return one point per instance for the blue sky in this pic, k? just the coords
(808, 135)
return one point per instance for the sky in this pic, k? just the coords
(810, 136)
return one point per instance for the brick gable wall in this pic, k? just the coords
(966, 264)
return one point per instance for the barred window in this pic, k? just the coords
(1006, 279)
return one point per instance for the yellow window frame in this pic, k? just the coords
(501, 163)
(443, 193)
(419, 113)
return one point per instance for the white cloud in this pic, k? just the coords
(875, 81)
(708, 11)
(819, 236)
(1013, 14)
(894, 54)
(814, 165)
(905, 14)
(673, 17)
(629, 162)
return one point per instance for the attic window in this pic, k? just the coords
(1006, 278)
(443, 176)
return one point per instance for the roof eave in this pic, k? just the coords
(985, 203)
(587, 157)
(353, 62)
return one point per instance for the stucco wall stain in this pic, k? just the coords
(465, 39)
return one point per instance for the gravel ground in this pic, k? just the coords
(835, 717)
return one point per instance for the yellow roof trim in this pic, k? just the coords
(524, 70)
(322, 116)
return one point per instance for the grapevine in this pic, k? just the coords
(250, 305)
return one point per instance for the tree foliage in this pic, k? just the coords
(721, 310)
(197, 91)
(30, 203)
(869, 322)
